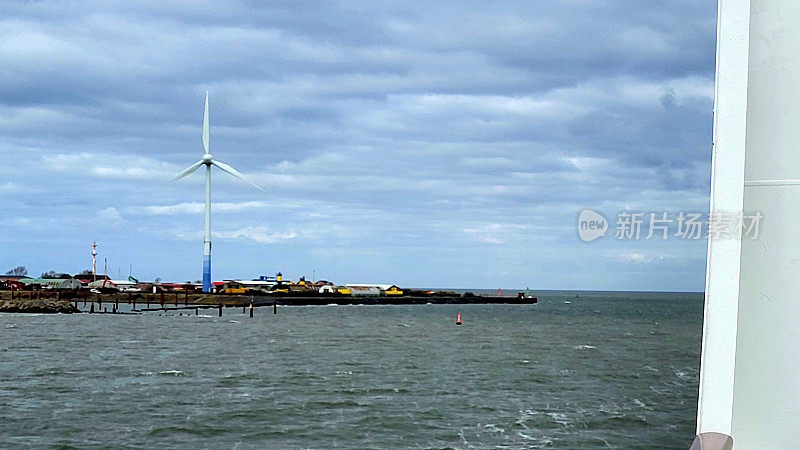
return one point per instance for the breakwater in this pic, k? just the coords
(85, 301)
(36, 305)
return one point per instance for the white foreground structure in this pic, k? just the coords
(750, 371)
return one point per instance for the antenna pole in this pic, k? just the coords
(94, 261)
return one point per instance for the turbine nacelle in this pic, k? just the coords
(207, 159)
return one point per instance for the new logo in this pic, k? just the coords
(591, 225)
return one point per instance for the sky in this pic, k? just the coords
(426, 144)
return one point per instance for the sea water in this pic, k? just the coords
(604, 370)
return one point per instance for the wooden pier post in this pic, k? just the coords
(196, 311)
(251, 310)
(275, 308)
(220, 309)
(91, 309)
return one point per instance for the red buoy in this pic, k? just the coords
(458, 319)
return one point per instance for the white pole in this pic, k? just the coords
(94, 261)
(207, 235)
(715, 403)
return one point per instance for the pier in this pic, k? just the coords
(89, 302)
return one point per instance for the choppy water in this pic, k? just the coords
(606, 370)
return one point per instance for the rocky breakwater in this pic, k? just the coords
(37, 305)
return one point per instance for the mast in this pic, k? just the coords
(207, 235)
(94, 261)
(727, 191)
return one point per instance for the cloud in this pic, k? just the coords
(109, 216)
(199, 208)
(261, 235)
(431, 130)
(110, 166)
(9, 188)
(633, 257)
(495, 233)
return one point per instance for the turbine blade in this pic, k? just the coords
(188, 170)
(205, 126)
(234, 172)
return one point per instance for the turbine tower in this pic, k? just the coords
(209, 161)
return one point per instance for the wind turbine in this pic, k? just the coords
(209, 161)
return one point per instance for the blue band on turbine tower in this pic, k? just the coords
(207, 273)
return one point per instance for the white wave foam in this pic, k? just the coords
(681, 374)
(559, 418)
(176, 373)
(495, 428)
(543, 441)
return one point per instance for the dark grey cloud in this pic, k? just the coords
(459, 131)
